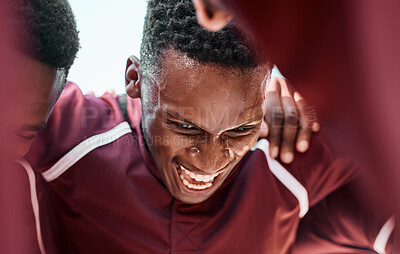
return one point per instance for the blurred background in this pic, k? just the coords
(109, 33)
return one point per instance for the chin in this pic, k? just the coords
(191, 200)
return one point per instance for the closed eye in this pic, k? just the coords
(26, 136)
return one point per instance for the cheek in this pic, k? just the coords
(151, 125)
(20, 148)
(241, 146)
(171, 144)
(163, 142)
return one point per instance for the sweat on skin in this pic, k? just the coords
(217, 111)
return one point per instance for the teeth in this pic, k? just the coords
(185, 182)
(206, 178)
(205, 181)
(196, 186)
(199, 178)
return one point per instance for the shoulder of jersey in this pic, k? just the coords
(76, 118)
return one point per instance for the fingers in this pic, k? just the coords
(304, 136)
(291, 123)
(308, 123)
(315, 126)
(274, 117)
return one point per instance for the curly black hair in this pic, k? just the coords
(46, 30)
(173, 24)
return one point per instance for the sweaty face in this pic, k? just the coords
(37, 88)
(199, 120)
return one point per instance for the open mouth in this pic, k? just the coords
(195, 181)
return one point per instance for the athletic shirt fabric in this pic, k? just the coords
(98, 190)
(347, 221)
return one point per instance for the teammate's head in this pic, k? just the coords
(202, 98)
(45, 48)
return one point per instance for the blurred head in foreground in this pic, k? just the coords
(202, 94)
(45, 47)
(212, 14)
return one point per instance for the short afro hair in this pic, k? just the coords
(46, 30)
(173, 24)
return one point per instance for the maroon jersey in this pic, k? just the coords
(346, 222)
(98, 190)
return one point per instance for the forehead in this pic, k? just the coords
(179, 73)
(187, 86)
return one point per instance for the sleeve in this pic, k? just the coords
(313, 175)
(75, 118)
(321, 171)
(347, 221)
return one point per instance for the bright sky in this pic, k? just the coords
(110, 31)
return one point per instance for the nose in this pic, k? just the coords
(210, 155)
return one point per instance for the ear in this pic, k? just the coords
(210, 15)
(133, 77)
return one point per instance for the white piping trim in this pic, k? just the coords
(79, 151)
(34, 201)
(383, 236)
(285, 177)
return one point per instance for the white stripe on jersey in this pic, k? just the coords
(285, 177)
(34, 201)
(79, 151)
(383, 236)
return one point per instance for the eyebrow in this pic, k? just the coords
(177, 117)
(36, 128)
(251, 123)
